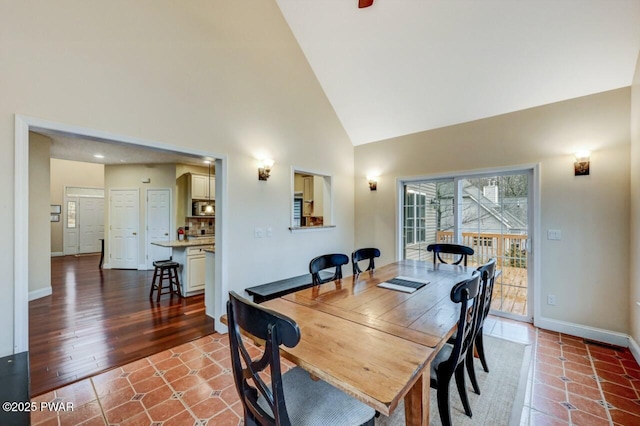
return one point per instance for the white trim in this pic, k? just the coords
(142, 267)
(23, 124)
(21, 237)
(634, 348)
(218, 298)
(297, 169)
(536, 242)
(584, 331)
(37, 294)
(57, 254)
(469, 173)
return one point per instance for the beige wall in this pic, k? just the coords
(635, 206)
(588, 269)
(39, 215)
(70, 173)
(130, 176)
(220, 76)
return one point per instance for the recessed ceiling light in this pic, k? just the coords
(98, 155)
(207, 162)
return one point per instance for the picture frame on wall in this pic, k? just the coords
(56, 209)
(55, 218)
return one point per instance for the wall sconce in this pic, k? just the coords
(581, 166)
(373, 182)
(264, 169)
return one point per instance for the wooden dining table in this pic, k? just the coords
(373, 343)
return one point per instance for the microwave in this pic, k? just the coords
(199, 208)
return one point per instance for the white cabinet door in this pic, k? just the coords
(196, 272)
(212, 183)
(199, 187)
(158, 224)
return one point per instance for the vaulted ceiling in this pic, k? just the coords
(405, 66)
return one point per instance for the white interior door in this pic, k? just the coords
(91, 225)
(158, 224)
(123, 228)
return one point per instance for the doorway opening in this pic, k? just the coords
(25, 125)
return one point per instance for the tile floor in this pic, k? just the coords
(570, 382)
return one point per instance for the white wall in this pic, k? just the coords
(219, 76)
(70, 173)
(39, 216)
(588, 270)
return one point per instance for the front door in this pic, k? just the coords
(123, 228)
(158, 224)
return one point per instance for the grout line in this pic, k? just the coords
(595, 374)
(95, 392)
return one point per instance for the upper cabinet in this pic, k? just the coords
(193, 187)
(200, 185)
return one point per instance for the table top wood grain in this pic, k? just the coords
(376, 344)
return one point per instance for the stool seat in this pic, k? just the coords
(165, 270)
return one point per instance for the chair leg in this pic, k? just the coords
(480, 347)
(472, 371)
(443, 400)
(160, 285)
(462, 389)
(153, 282)
(177, 281)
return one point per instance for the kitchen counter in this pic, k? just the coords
(192, 242)
(210, 250)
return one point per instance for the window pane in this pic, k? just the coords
(71, 214)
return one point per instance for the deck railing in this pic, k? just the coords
(509, 249)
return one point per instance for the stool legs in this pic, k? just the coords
(170, 274)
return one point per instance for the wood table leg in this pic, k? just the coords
(416, 402)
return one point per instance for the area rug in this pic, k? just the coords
(502, 389)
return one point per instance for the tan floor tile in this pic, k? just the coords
(115, 399)
(198, 394)
(588, 405)
(552, 408)
(221, 382)
(141, 374)
(606, 366)
(198, 363)
(176, 373)
(187, 382)
(111, 386)
(619, 390)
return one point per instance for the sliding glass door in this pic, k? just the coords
(489, 213)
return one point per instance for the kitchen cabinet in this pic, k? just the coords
(192, 262)
(312, 195)
(200, 185)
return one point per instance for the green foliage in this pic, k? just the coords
(516, 257)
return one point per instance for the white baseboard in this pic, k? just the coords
(584, 331)
(37, 294)
(57, 254)
(142, 267)
(635, 349)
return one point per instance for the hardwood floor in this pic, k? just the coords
(96, 320)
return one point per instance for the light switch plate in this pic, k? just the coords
(554, 234)
(258, 232)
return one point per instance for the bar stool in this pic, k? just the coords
(165, 270)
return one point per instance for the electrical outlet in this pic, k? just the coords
(269, 232)
(258, 233)
(551, 299)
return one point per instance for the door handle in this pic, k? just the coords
(166, 234)
(135, 233)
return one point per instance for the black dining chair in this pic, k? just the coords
(451, 358)
(292, 398)
(488, 276)
(364, 254)
(327, 261)
(455, 249)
